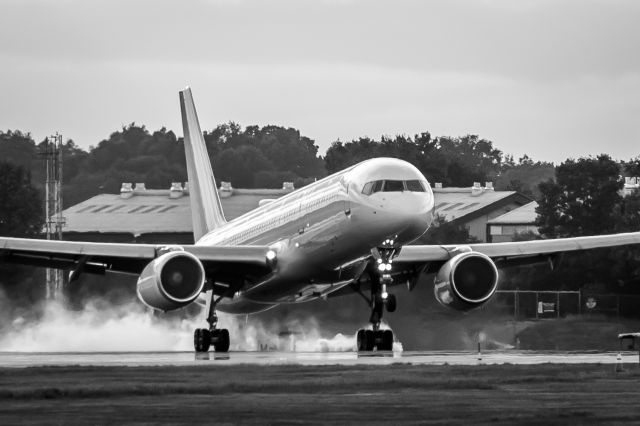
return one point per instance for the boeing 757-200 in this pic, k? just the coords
(346, 233)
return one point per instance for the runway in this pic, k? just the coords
(132, 359)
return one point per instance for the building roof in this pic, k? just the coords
(524, 215)
(466, 203)
(154, 211)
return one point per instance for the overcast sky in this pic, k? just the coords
(553, 79)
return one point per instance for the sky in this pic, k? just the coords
(552, 79)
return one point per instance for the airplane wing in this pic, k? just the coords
(516, 252)
(126, 258)
(414, 260)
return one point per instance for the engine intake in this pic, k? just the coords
(466, 281)
(171, 281)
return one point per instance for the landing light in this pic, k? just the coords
(388, 267)
(271, 255)
(385, 295)
(382, 267)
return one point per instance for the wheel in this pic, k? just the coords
(387, 340)
(222, 341)
(391, 303)
(369, 340)
(201, 340)
(360, 341)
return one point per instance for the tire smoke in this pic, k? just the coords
(104, 327)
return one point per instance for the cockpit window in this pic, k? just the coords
(414, 186)
(367, 189)
(393, 186)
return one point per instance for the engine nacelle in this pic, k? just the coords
(466, 281)
(171, 281)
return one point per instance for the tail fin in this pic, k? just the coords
(206, 209)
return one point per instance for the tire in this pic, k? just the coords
(222, 345)
(391, 303)
(201, 340)
(387, 340)
(360, 341)
(369, 340)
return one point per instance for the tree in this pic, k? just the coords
(20, 203)
(238, 166)
(468, 159)
(524, 176)
(258, 156)
(17, 148)
(632, 167)
(585, 200)
(581, 200)
(451, 161)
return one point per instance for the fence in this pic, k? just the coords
(530, 304)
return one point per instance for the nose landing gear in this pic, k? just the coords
(380, 300)
(218, 337)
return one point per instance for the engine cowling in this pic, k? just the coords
(171, 281)
(466, 281)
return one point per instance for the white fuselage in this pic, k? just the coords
(324, 232)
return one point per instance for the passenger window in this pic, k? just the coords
(393, 185)
(414, 186)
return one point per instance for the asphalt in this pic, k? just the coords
(131, 359)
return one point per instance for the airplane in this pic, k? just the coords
(347, 233)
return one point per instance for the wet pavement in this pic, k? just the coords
(31, 359)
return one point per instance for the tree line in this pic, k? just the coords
(265, 157)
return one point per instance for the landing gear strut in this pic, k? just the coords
(382, 340)
(218, 337)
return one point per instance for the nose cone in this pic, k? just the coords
(404, 216)
(396, 198)
(409, 212)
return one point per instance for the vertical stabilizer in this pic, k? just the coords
(206, 209)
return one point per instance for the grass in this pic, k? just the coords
(290, 394)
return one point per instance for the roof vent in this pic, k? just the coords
(488, 186)
(476, 189)
(140, 186)
(288, 186)
(126, 190)
(226, 190)
(185, 189)
(439, 185)
(176, 190)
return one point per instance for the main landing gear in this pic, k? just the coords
(380, 300)
(218, 337)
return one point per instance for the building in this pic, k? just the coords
(474, 207)
(631, 184)
(522, 219)
(144, 215)
(504, 227)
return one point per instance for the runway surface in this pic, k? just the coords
(22, 359)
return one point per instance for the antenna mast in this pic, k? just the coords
(53, 207)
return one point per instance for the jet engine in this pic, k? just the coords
(466, 281)
(171, 281)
